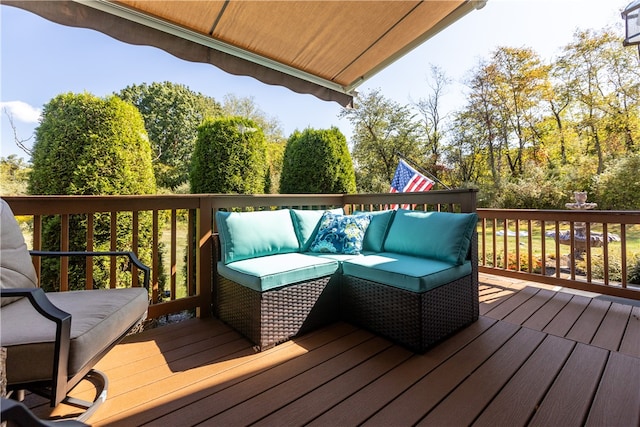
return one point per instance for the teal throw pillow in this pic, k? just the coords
(341, 234)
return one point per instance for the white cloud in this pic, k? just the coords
(21, 111)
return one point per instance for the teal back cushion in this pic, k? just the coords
(306, 223)
(438, 235)
(377, 230)
(245, 235)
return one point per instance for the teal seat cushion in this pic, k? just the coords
(245, 235)
(306, 224)
(273, 271)
(405, 271)
(441, 236)
(377, 230)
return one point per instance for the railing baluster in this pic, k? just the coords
(89, 259)
(605, 253)
(518, 264)
(558, 256)
(135, 243)
(155, 257)
(623, 254)
(174, 251)
(113, 245)
(64, 247)
(588, 252)
(530, 245)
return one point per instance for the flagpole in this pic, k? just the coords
(422, 170)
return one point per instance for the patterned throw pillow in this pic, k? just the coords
(341, 234)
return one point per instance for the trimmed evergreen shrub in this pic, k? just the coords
(86, 145)
(317, 161)
(229, 157)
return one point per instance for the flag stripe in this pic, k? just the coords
(407, 179)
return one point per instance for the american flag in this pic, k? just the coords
(407, 179)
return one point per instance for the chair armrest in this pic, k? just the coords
(62, 319)
(132, 257)
(18, 414)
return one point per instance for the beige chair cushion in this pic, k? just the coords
(16, 268)
(99, 317)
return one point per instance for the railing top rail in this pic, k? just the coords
(60, 204)
(618, 217)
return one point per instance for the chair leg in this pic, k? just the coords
(100, 381)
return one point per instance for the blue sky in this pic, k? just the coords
(40, 59)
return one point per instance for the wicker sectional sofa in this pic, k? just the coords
(410, 276)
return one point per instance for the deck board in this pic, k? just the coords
(613, 405)
(589, 321)
(518, 400)
(480, 388)
(609, 334)
(567, 402)
(631, 340)
(418, 400)
(361, 406)
(535, 357)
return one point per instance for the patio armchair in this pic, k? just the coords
(54, 339)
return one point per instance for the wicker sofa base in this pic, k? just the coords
(416, 320)
(271, 317)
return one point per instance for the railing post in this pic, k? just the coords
(204, 274)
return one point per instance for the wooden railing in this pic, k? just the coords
(182, 226)
(549, 246)
(181, 230)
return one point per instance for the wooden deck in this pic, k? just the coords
(535, 357)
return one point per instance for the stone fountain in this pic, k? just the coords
(596, 240)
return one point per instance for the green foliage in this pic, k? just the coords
(570, 118)
(317, 161)
(598, 268)
(233, 105)
(172, 114)
(275, 156)
(229, 157)
(382, 128)
(86, 145)
(14, 175)
(534, 189)
(618, 187)
(633, 271)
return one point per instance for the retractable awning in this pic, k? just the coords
(324, 48)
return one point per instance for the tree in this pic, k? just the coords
(229, 157)
(246, 107)
(86, 145)
(172, 114)
(382, 129)
(317, 161)
(432, 121)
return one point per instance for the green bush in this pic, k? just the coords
(317, 161)
(229, 157)
(633, 272)
(618, 187)
(86, 145)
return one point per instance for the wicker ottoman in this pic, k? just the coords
(271, 317)
(415, 320)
